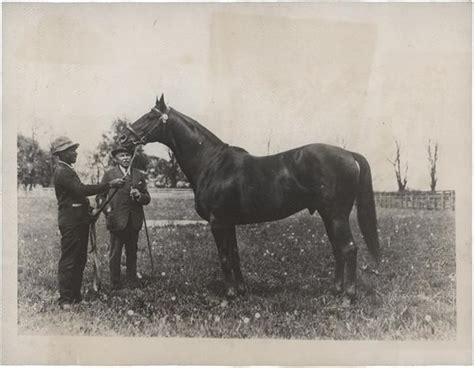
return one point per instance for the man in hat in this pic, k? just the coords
(124, 215)
(73, 219)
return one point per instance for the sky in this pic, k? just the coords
(265, 77)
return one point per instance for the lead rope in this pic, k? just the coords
(93, 235)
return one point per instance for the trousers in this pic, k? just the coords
(127, 237)
(74, 240)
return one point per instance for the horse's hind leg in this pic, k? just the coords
(222, 235)
(338, 256)
(340, 235)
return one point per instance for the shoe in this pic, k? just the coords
(134, 283)
(116, 286)
(65, 305)
(77, 299)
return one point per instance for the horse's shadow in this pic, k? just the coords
(217, 287)
(265, 289)
(316, 290)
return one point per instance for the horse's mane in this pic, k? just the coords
(240, 149)
(198, 128)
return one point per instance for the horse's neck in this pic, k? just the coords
(193, 146)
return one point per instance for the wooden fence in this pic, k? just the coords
(417, 200)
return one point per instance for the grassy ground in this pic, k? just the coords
(288, 266)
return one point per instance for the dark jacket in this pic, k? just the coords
(122, 206)
(73, 206)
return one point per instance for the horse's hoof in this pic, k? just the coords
(231, 293)
(346, 302)
(349, 298)
(242, 289)
(351, 292)
(338, 289)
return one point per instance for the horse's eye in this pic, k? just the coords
(122, 138)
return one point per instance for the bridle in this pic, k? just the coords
(143, 140)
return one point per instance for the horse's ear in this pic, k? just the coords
(162, 104)
(157, 103)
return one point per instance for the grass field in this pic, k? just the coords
(288, 266)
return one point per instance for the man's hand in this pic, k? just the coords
(135, 194)
(117, 183)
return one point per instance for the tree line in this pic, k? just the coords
(35, 165)
(401, 171)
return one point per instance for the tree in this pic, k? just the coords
(110, 141)
(396, 163)
(45, 165)
(34, 165)
(165, 173)
(156, 168)
(173, 172)
(433, 161)
(101, 158)
(96, 163)
(269, 142)
(173, 169)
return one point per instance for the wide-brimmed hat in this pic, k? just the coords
(61, 144)
(120, 149)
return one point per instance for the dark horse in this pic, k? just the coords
(232, 187)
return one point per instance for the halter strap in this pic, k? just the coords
(135, 135)
(163, 118)
(163, 115)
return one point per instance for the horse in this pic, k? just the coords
(232, 187)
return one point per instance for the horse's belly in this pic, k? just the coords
(265, 215)
(255, 203)
(272, 208)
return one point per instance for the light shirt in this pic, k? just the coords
(123, 170)
(64, 163)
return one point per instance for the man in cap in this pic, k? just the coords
(73, 219)
(124, 215)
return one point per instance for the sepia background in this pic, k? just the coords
(265, 77)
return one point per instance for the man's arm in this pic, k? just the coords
(71, 182)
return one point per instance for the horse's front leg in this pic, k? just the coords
(234, 252)
(222, 235)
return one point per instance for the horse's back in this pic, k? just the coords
(246, 188)
(310, 163)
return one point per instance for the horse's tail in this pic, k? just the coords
(366, 214)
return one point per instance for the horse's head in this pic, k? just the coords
(149, 128)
